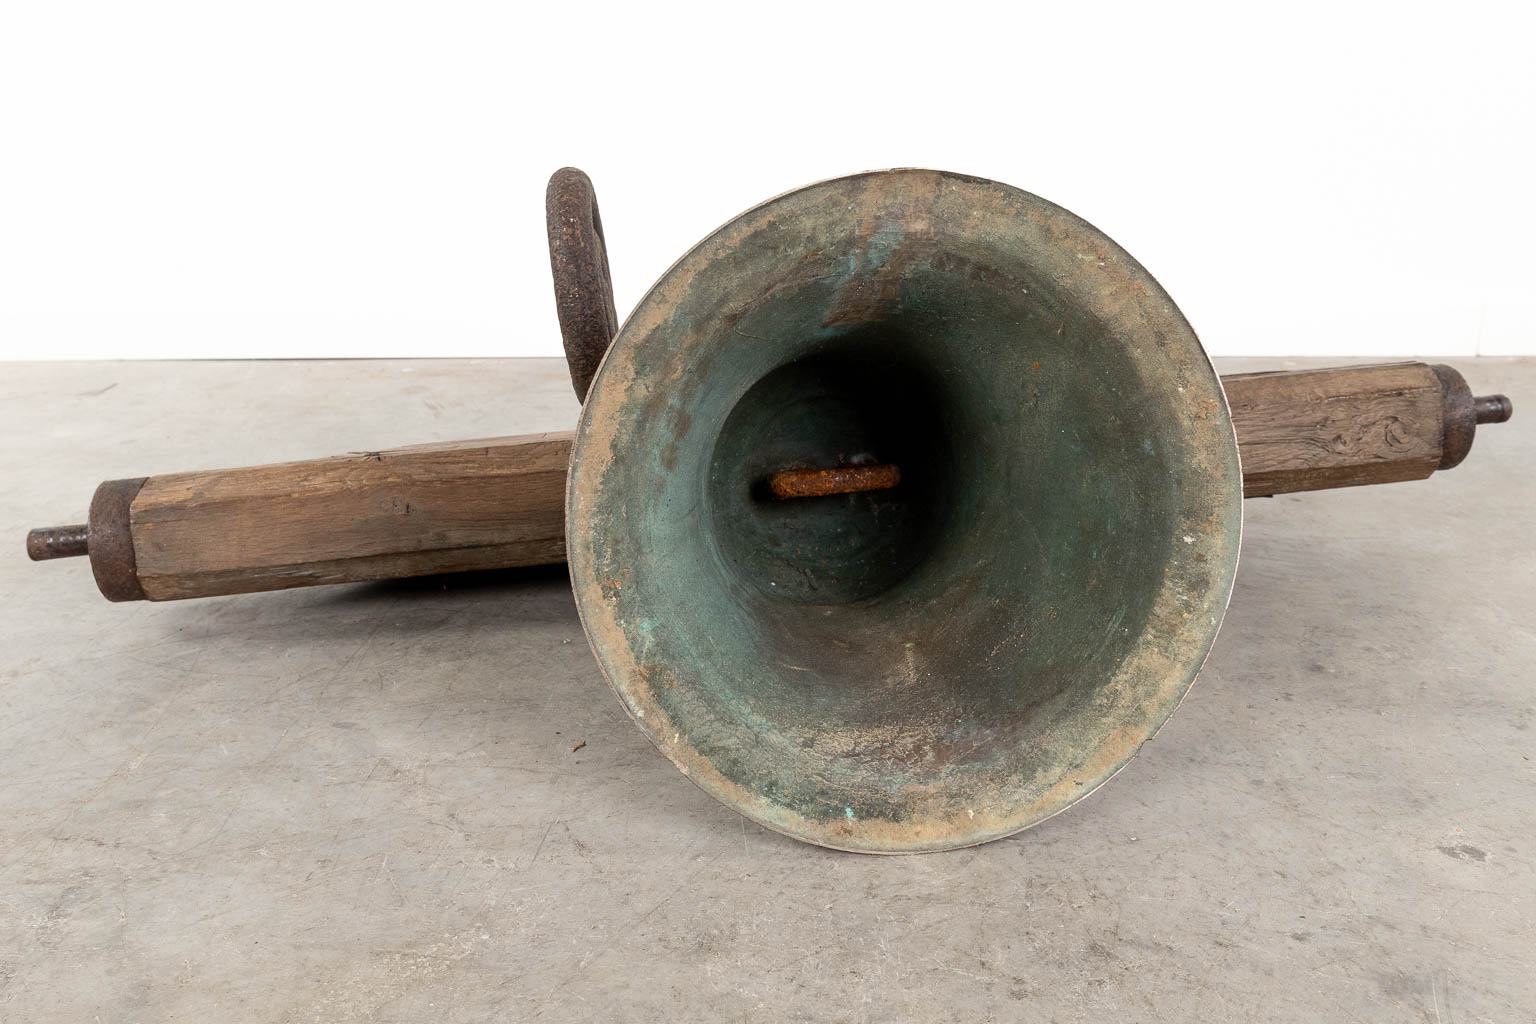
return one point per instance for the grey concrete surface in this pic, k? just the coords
(363, 803)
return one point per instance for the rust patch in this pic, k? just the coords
(820, 483)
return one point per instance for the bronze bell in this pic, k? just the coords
(903, 510)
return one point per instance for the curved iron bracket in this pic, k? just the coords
(578, 258)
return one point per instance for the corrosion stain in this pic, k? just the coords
(821, 483)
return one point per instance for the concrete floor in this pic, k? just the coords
(362, 803)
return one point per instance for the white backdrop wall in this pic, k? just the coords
(366, 179)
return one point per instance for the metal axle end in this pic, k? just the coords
(58, 542)
(1492, 408)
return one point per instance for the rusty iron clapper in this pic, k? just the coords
(903, 509)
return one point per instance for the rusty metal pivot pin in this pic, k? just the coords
(58, 542)
(818, 483)
(1492, 408)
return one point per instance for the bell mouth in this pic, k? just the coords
(953, 657)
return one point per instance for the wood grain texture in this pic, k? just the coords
(500, 502)
(449, 507)
(1341, 427)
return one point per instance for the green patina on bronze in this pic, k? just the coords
(953, 659)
